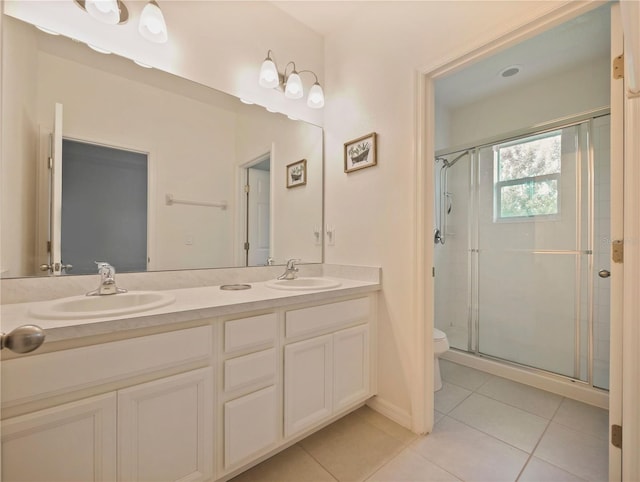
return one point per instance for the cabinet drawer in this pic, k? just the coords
(307, 321)
(58, 372)
(249, 369)
(245, 333)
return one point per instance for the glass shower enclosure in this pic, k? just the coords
(521, 250)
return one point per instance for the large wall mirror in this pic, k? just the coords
(153, 169)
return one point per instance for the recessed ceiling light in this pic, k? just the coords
(510, 71)
(46, 30)
(141, 64)
(99, 49)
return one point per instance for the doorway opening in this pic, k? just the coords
(257, 211)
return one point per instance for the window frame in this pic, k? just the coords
(523, 181)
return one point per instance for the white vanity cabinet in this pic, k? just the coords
(71, 442)
(251, 384)
(325, 374)
(155, 430)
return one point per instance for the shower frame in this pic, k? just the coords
(473, 268)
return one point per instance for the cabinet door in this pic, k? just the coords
(71, 442)
(308, 380)
(350, 366)
(250, 425)
(165, 429)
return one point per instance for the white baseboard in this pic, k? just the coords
(389, 410)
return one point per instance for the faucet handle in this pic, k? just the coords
(291, 263)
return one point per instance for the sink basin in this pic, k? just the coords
(299, 284)
(87, 307)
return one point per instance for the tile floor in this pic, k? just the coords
(487, 429)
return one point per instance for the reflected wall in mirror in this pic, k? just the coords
(201, 147)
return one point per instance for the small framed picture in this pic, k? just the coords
(297, 174)
(360, 153)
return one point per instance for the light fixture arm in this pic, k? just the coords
(312, 73)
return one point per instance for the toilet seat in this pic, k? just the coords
(439, 334)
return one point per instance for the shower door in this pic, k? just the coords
(526, 225)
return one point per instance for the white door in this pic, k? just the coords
(71, 442)
(165, 429)
(250, 425)
(308, 382)
(350, 366)
(55, 216)
(258, 207)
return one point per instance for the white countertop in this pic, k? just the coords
(190, 304)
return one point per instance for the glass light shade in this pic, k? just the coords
(107, 11)
(152, 25)
(294, 89)
(315, 100)
(269, 77)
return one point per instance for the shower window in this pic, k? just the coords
(527, 175)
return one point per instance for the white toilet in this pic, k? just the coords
(440, 345)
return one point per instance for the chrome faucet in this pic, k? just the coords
(291, 269)
(107, 281)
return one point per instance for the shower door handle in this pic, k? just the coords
(603, 273)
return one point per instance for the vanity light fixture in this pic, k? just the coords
(290, 83)
(152, 25)
(112, 12)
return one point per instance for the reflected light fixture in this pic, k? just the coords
(112, 12)
(291, 83)
(152, 25)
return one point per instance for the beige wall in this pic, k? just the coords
(370, 82)
(216, 43)
(19, 137)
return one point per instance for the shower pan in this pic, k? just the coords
(521, 250)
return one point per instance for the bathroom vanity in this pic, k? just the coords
(200, 389)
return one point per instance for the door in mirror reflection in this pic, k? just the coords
(104, 207)
(258, 213)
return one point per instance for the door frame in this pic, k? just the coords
(424, 132)
(241, 221)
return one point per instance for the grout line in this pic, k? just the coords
(318, 462)
(535, 448)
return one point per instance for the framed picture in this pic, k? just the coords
(360, 153)
(297, 174)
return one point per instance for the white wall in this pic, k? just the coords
(370, 70)
(220, 44)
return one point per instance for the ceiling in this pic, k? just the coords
(575, 42)
(324, 17)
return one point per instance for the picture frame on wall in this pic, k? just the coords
(297, 174)
(360, 153)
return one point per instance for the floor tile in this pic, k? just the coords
(351, 450)
(470, 454)
(509, 424)
(540, 471)
(291, 465)
(411, 467)
(583, 418)
(388, 426)
(437, 416)
(541, 403)
(449, 396)
(465, 377)
(576, 452)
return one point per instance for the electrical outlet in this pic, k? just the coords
(331, 235)
(188, 239)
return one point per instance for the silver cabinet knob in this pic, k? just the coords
(23, 339)
(603, 273)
